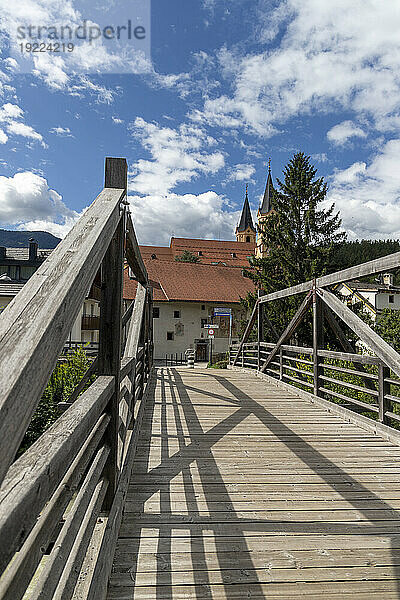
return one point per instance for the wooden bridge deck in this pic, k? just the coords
(242, 490)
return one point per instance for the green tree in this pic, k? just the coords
(187, 256)
(61, 384)
(388, 327)
(300, 236)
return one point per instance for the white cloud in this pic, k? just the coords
(205, 215)
(11, 115)
(26, 201)
(242, 172)
(178, 155)
(117, 121)
(368, 197)
(342, 132)
(3, 137)
(61, 131)
(332, 55)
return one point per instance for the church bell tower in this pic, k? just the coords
(264, 211)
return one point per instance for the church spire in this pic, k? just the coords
(266, 204)
(246, 220)
(245, 231)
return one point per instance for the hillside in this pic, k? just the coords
(20, 239)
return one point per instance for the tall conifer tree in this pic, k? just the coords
(299, 234)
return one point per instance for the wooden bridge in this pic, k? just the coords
(277, 478)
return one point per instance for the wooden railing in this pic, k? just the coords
(367, 381)
(51, 497)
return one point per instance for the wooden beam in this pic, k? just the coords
(116, 173)
(290, 329)
(133, 256)
(135, 323)
(381, 348)
(32, 479)
(378, 265)
(247, 332)
(35, 325)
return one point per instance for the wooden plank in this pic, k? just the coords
(135, 323)
(115, 173)
(19, 573)
(33, 478)
(231, 469)
(50, 575)
(102, 570)
(41, 316)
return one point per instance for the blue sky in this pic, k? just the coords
(228, 84)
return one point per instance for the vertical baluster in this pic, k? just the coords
(317, 337)
(383, 390)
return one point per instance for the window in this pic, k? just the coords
(200, 253)
(170, 336)
(233, 254)
(130, 273)
(177, 314)
(247, 238)
(204, 322)
(391, 299)
(156, 312)
(154, 256)
(14, 272)
(203, 307)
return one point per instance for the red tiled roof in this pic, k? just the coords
(213, 251)
(191, 282)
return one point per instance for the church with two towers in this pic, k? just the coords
(245, 231)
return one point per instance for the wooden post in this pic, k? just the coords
(317, 337)
(384, 390)
(260, 329)
(280, 364)
(110, 329)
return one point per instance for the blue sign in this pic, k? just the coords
(222, 312)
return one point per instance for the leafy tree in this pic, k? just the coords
(187, 256)
(62, 382)
(388, 327)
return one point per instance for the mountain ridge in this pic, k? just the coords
(20, 239)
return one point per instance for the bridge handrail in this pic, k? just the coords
(318, 374)
(84, 459)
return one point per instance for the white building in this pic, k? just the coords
(186, 294)
(374, 297)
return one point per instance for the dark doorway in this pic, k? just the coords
(201, 351)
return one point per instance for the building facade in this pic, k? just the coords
(17, 265)
(374, 297)
(186, 294)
